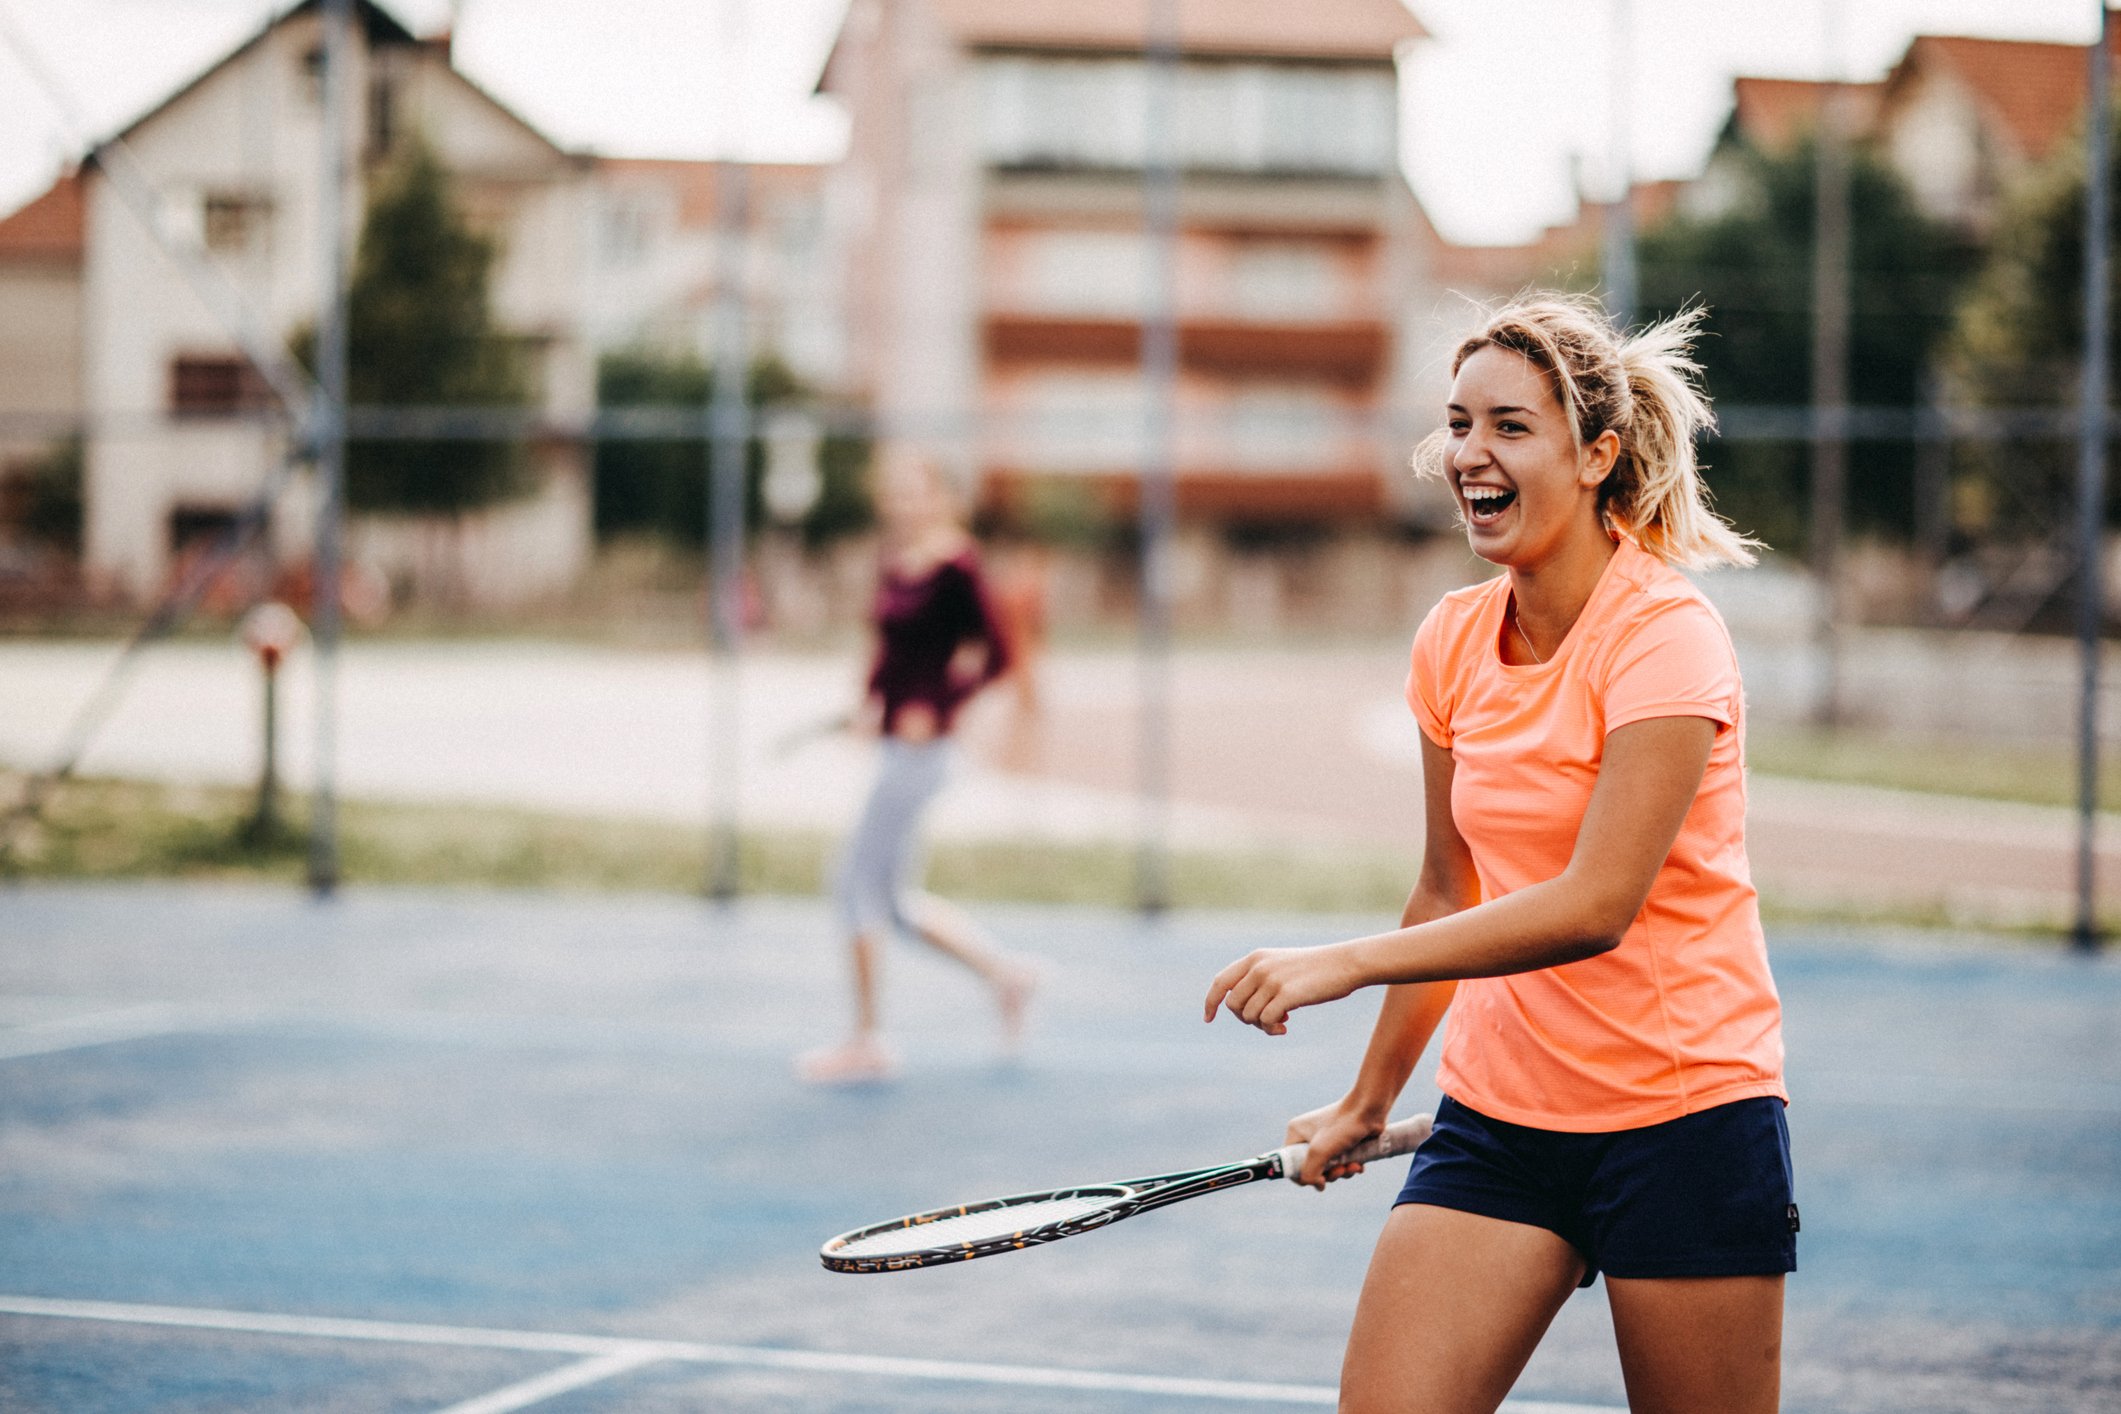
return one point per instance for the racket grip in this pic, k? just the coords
(1401, 1137)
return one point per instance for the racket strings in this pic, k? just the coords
(972, 1227)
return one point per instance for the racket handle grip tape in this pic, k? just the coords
(1401, 1137)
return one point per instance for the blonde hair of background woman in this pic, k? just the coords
(1645, 388)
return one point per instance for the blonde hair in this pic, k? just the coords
(1643, 387)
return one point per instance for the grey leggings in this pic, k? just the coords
(878, 869)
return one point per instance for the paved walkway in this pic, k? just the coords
(1280, 748)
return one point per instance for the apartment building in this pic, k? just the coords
(996, 274)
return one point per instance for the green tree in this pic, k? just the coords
(1752, 266)
(660, 487)
(50, 495)
(2019, 342)
(421, 333)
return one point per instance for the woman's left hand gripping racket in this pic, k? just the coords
(968, 1230)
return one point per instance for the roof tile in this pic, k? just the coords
(2033, 91)
(48, 228)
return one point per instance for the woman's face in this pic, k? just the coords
(1523, 484)
(910, 497)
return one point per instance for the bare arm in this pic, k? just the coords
(1411, 1011)
(1646, 784)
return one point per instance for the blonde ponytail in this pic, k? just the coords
(1646, 389)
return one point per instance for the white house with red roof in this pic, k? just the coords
(1963, 120)
(100, 330)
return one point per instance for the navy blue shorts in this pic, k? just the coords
(1705, 1195)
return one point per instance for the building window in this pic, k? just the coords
(199, 529)
(232, 222)
(1080, 422)
(1283, 280)
(624, 227)
(1324, 120)
(216, 385)
(1234, 117)
(1087, 273)
(1063, 112)
(1282, 428)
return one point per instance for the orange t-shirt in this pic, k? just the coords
(1683, 1014)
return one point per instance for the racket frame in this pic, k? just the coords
(1128, 1197)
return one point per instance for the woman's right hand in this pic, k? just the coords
(1332, 1130)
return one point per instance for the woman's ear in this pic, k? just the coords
(1599, 459)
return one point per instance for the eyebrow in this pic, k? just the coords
(1501, 411)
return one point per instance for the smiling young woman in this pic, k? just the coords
(1612, 1077)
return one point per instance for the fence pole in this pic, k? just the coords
(1159, 354)
(328, 423)
(1619, 252)
(1830, 373)
(729, 439)
(2091, 473)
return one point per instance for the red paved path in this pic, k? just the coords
(1317, 743)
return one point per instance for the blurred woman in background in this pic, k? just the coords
(939, 642)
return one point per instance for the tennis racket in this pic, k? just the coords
(968, 1230)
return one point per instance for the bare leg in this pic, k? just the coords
(867, 959)
(949, 930)
(863, 1056)
(1452, 1308)
(1691, 1344)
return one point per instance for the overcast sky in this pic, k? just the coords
(1502, 105)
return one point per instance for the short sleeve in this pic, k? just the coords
(1676, 661)
(1425, 681)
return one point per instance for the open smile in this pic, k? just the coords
(1486, 504)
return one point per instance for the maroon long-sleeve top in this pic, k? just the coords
(922, 621)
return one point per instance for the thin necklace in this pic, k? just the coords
(1525, 638)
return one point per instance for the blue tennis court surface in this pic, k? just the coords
(426, 1151)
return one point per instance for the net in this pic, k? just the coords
(971, 1227)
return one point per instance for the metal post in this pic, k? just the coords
(1159, 353)
(265, 822)
(328, 426)
(1933, 492)
(1830, 355)
(2091, 473)
(729, 438)
(1620, 283)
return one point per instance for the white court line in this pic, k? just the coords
(102, 1028)
(564, 1380)
(645, 1351)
